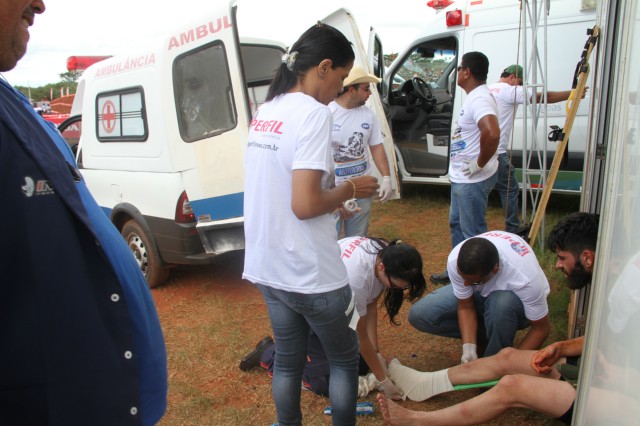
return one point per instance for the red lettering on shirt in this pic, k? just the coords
(522, 249)
(347, 252)
(266, 126)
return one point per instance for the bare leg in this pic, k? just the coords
(507, 361)
(419, 386)
(550, 397)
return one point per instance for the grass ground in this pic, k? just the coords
(211, 318)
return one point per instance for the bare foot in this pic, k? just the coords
(395, 414)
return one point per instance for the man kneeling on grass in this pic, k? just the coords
(524, 374)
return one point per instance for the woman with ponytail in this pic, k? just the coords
(379, 269)
(290, 248)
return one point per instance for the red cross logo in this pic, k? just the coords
(108, 116)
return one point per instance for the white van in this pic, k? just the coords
(163, 138)
(164, 132)
(423, 99)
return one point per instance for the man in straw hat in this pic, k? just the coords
(355, 128)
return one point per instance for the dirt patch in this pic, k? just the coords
(211, 318)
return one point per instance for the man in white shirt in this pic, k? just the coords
(497, 288)
(526, 378)
(509, 93)
(473, 158)
(355, 132)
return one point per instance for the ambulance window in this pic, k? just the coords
(260, 63)
(432, 62)
(121, 116)
(378, 61)
(203, 94)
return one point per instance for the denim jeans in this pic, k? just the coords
(292, 315)
(467, 215)
(358, 225)
(508, 189)
(500, 316)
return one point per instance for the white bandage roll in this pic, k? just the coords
(351, 205)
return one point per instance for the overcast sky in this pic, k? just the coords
(88, 27)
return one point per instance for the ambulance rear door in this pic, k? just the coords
(213, 106)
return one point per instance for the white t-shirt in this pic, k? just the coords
(360, 263)
(353, 131)
(465, 142)
(508, 98)
(519, 272)
(291, 132)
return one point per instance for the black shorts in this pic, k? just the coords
(566, 417)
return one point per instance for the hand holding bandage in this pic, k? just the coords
(389, 389)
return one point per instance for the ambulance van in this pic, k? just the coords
(423, 99)
(163, 136)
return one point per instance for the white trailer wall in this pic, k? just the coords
(609, 386)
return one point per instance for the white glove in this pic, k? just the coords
(385, 190)
(389, 389)
(470, 168)
(468, 353)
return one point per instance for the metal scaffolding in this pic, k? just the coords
(533, 44)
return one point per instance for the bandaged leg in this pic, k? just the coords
(416, 385)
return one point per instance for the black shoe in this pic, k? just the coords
(252, 359)
(442, 278)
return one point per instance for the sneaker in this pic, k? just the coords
(442, 278)
(252, 359)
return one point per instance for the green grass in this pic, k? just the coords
(433, 238)
(209, 328)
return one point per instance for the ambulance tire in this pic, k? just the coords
(145, 254)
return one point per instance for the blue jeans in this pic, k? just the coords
(508, 189)
(467, 215)
(500, 316)
(292, 315)
(358, 225)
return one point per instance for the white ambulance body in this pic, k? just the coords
(163, 138)
(164, 131)
(423, 119)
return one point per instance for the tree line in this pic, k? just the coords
(68, 82)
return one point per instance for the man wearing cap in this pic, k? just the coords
(355, 127)
(509, 93)
(473, 161)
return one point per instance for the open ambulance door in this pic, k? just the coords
(343, 20)
(375, 55)
(217, 80)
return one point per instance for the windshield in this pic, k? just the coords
(429, 64)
